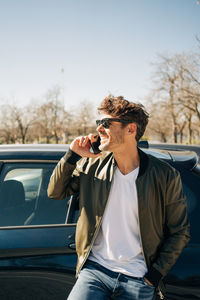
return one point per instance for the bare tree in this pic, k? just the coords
(176, 85)
(191, 93)
(24, 119)
(15, 123)
(85, 118)
(8, 130)
(51, 116)
(160, 123)
(68, 124)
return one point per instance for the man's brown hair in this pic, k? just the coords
(122, 108)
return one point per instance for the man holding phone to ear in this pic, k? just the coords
(133, 220)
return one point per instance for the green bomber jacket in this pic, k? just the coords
(162, 211)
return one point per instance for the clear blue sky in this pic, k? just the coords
(104, 46)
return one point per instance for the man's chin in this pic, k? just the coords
(104, 147)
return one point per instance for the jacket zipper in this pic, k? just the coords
(160, 294)
(140, 232)
(159, 291)
(94, 237)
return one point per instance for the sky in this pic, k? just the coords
(90, 48)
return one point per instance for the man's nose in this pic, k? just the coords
(100, 128)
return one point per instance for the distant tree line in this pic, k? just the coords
(173, 104)
(45, 122)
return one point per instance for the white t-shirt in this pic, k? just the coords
(118, 244)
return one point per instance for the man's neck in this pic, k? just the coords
(127, 160)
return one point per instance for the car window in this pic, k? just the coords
(30, 179)
(73, 210)
(23, 196)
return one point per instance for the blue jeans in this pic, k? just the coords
(98, 283)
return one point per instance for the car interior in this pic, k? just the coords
(24, 200)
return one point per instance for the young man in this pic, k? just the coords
(133, 220)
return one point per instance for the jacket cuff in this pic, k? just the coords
(153, 276)
(71, 157)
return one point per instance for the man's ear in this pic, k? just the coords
(132, 128)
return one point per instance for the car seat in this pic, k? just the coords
(12, 203)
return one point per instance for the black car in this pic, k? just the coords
(37, 234)
(176, 147)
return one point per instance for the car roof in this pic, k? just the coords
(53, 152)
(177, 147)
(32, 151)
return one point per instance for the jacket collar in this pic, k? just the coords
(144, 161)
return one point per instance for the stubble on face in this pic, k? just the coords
(112, 139)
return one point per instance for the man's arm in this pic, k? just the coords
(65, 178)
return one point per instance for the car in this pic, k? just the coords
(176, 147)
(37, 234)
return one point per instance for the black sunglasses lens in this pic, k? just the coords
(105, 123)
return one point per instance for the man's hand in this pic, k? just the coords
(81, 146)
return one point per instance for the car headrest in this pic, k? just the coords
(12, 194)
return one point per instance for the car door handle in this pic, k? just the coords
(72, 246)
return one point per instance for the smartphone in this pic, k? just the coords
(95, 144)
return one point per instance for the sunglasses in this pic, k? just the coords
(107, 121)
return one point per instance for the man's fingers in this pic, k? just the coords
(81, 145)
(93, 137)
(83, 141)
